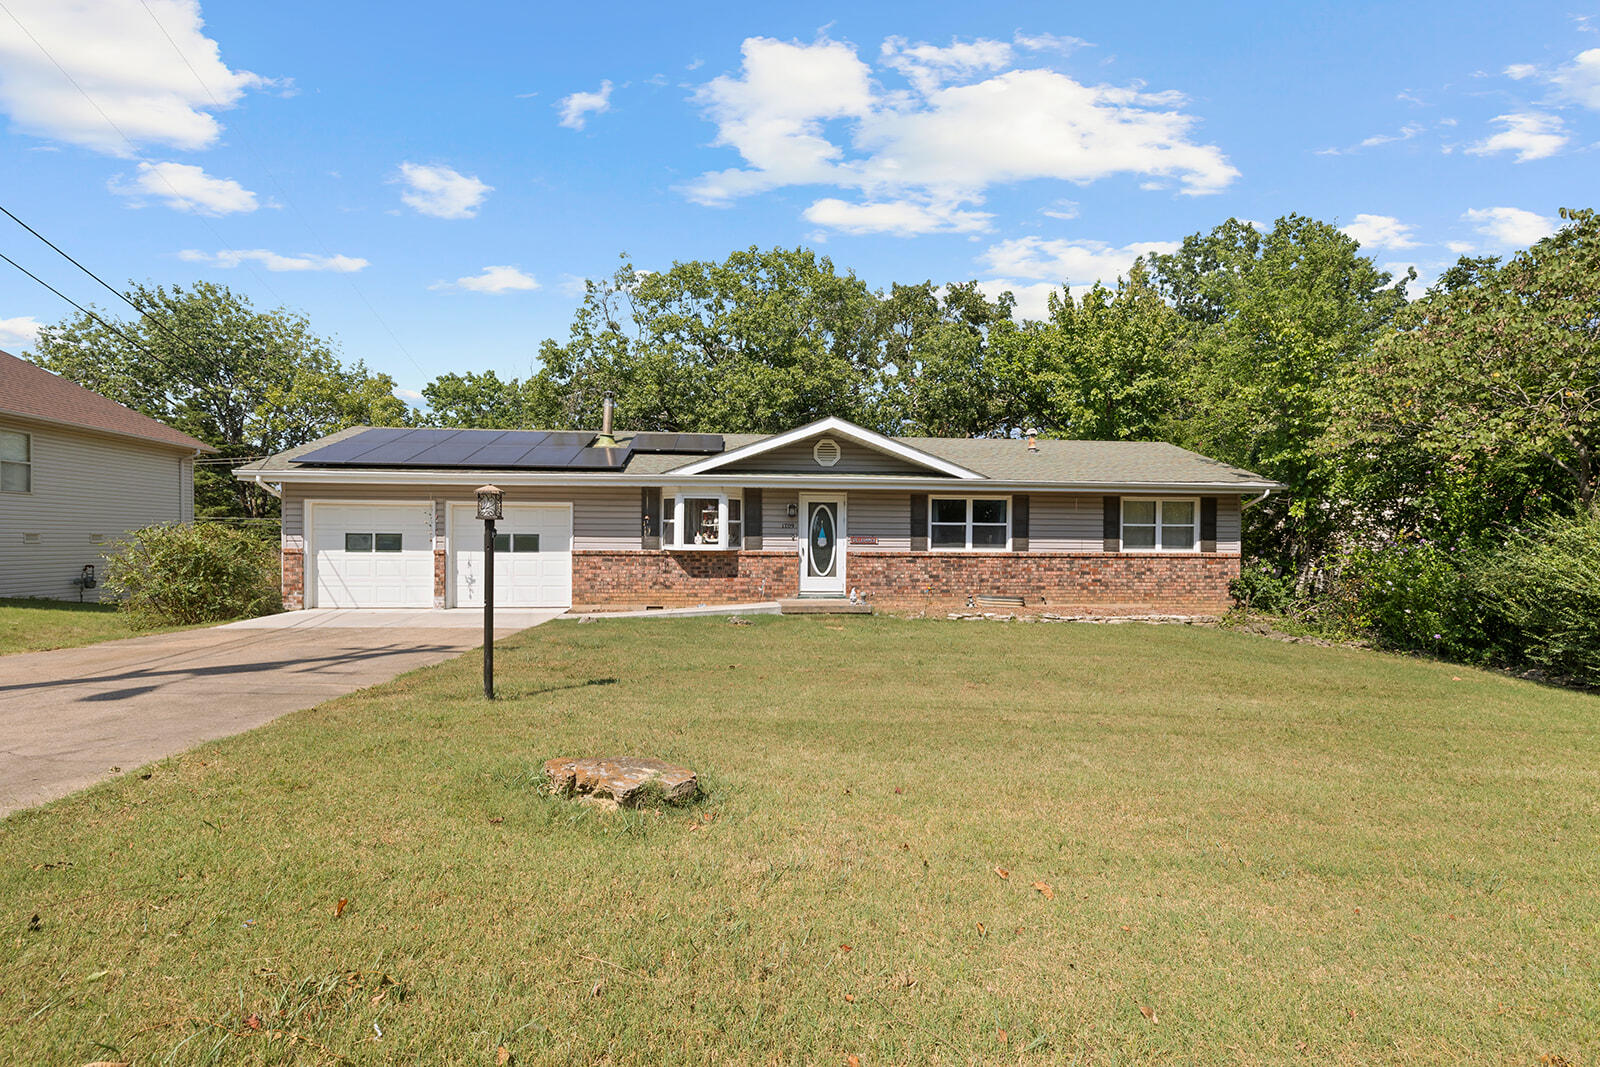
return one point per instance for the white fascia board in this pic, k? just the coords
(844, 428)
(505, 479)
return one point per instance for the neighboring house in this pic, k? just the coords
(77, 471)
(385, 518)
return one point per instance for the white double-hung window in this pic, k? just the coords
(16, 462)
(1160, 524)
(701, 519)
(969, 523)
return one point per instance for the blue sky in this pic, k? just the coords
(431, 184)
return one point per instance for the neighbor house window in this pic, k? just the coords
(516, 542)
(702, 520)
(1160, 525)
(969, 523)
(16, 462)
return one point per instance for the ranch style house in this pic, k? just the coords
(385, 518)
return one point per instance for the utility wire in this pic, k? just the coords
(133, 147)
(249, 147)
(114, 329)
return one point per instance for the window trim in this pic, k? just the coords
(27, 444)
(1158, 548)
(677, 494)
(969, 498)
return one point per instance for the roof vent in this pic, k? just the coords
(826, 452)
(1033, 443)
(606, 439)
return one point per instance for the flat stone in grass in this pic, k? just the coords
(627, 780)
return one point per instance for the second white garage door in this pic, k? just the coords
(532, 557)
(372, 555)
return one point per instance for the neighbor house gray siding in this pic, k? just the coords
(88, 491)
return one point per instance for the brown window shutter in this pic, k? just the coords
(752, 519)
(1112, 524)
(919, 522)
(649, 518)
(1019, 523)
(1208, 524)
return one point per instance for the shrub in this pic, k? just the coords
(1408, 595)
(183, 575)
(1263, 587)
(1545, 582)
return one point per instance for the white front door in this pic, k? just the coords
(532, 556)
(371, 555)
(822, 524)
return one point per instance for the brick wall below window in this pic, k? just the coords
(1068, 582)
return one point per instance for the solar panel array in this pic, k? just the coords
(470, 450)
(693, 444)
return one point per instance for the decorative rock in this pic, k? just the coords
(623, 778)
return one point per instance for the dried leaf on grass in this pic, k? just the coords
(1002, 872)
(338, 909)
(1148, 1013)
(1045, 890)
(502, 1056)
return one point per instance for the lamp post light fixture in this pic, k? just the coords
(490, 498)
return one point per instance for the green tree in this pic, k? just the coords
(938, 366)
(1498, 365)
(1273, 319)
(480, 400)
(204, 361)
(760, 342)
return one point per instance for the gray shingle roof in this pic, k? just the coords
(1008, 460)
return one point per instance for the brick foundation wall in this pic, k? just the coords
(293, 571)
(1071, 582)
(633, 580)
(1111, 583)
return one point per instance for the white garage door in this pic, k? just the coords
(372, 555)
(532, 556)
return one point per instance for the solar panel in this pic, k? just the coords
(600, 459)
(685, 443)
(468, 449)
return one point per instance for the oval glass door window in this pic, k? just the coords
(822, 540)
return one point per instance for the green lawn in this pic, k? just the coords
(37, 625)
(1280, 852)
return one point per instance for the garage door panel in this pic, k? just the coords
(355, 565)
(523, 576)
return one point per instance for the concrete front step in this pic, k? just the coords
(823, 606)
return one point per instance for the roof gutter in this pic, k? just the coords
(273, 491)
(1248, 504)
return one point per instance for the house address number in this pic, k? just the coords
(863, 540)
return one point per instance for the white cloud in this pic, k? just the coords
(1580, 80)
(572, 285)
(1531, 134)
(1381, 231)
(185, 187)
(1033, 298)
(813, 114)
(121, 58)
(441, 191)
(494, 280)
(1460, 248)
(19, 332)
(231, 258)
(1511, 227)
(1067, 262)
(1050, 42)
(577, 107)
(902, 218)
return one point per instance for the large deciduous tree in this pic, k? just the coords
(205, 361)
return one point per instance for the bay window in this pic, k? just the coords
(1160, 525)
(701, 520)
(969, 523)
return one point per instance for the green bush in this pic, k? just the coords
(1545, 582)
(1263, 587)
(184, 575)
(1407, 595)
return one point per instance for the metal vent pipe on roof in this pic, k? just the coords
(607, 411)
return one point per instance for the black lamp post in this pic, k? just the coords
(489, 499)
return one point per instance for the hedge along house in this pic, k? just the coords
(385, 518)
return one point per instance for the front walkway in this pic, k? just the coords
(74, 716)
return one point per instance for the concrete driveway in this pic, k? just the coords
(74, 716)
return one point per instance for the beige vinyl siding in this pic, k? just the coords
(1229, 517)
(779, 531)
(84, 484)
(604, 518)
(886, 516)
(853, 459)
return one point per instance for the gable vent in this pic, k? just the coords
(826, 452)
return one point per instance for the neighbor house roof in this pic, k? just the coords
(31, 392)
(1005, 461)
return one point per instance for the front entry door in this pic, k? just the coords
(822, 524)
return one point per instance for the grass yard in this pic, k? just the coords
(1255, 853)
(38, 625)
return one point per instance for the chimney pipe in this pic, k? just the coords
(608, 409)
